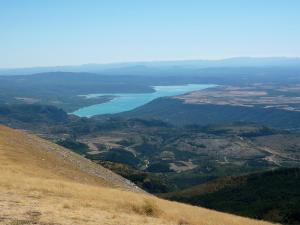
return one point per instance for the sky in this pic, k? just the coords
(72, 32)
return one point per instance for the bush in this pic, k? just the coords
(148, 208)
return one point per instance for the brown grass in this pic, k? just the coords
(35, 188)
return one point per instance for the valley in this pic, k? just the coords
(186, 156)
(172, 144)
(285, 97)
(159, 156)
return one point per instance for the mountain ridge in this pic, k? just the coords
(127, 67)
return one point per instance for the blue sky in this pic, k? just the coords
(68, 32)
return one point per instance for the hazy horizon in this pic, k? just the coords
(58, 33)
(153, 61)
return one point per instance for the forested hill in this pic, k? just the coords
(177, 112)
(273, 195)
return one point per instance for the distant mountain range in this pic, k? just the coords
(159, 67)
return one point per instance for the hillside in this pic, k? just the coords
(179, 113)
(272, 195)
(42, 183)
(32, 153)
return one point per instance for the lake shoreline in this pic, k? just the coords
(122, 102)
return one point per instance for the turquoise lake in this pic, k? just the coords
(125, 102)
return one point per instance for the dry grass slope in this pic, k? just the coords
(39, 186)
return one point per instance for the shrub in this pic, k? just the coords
(148, 208)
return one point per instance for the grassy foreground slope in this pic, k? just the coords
(42, 183)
